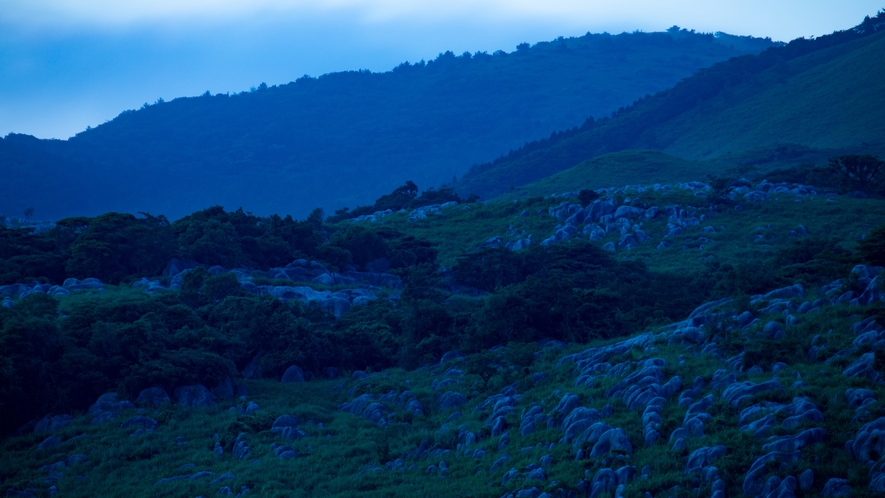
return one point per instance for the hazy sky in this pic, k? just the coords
(68, 64)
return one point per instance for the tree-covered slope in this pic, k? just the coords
(824, 93)
(345, 138)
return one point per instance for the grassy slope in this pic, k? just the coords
(622, 168)
(827, 99)
(464, 228)
(340, 457)
(619, 168)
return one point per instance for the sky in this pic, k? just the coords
(69, 64)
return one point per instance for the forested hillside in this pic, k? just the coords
(345, 138)
(811, 98)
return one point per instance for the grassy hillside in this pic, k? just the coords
(618, 168)
(825, 99)
(796, 372)
(345, 138)
(820, 94)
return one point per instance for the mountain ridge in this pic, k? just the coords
(699, 105)
(345, 138)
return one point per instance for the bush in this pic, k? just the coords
(872, 249)
(114, 246)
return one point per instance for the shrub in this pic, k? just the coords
(872, 249)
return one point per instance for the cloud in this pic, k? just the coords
(784, 19)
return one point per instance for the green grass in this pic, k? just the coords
(823, 99)
(339, 457)
(619, 168)
(821, 95)
(843, 218)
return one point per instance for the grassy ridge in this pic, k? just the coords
(465, 228)
(618, 168)
(821, 94)
(826, 99)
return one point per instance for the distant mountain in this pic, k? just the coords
(824, 94)
(346, 138)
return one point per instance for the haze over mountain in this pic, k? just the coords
(345, 138)
(814, 98)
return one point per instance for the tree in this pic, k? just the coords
(114, 246)
(862, 172)
(399, 198)
(872, 249)
(28, 213)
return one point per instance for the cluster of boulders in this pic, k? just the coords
(416, 214)
(762, 400)
(363, 284)
(604, 216)
(336, 303)
(753, 395)
(21, 291)
(376, 409)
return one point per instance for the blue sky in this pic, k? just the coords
(68, 64)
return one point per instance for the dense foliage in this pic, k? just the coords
(342, 139)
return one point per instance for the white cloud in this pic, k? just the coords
(781, 19)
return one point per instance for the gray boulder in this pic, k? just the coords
(140, 422)
(293, 374)
(49, 443)
(612, 441)
(241, 449)
(836, 487)
(736, 393)
(108, 403)
(50, 423)
(153, 396)
(793, 291)
(282, 422)
(194, 396)
(629, 212)
(597, 209)
(450, 400)
(871, 294)
(806, 480)
(863, 367)
(703, 457)
(869, 442)
(754, 481)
